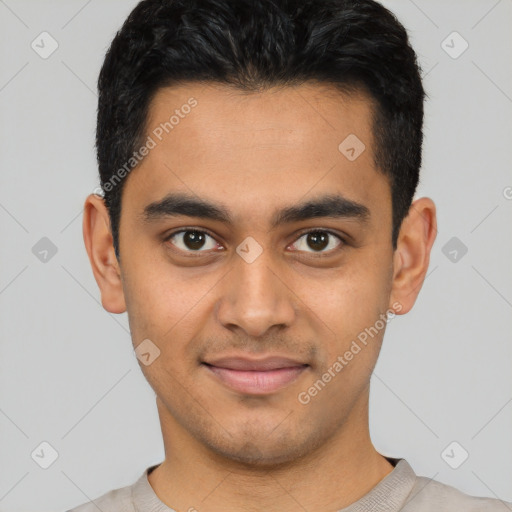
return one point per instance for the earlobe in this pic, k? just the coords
(100, 249)
(412, 255)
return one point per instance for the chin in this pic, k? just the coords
(253, 451)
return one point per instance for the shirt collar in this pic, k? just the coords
(389, 495)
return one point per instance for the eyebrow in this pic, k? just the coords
(331, 206)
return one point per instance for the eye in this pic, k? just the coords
(317, 241)
(192, 240)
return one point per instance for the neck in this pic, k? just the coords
(335, 475)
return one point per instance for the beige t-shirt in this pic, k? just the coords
(400, 490)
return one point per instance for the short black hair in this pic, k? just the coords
(252, 45)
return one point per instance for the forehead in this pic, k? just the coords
(258, 149)
(280, 115)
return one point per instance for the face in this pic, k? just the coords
(255, 252)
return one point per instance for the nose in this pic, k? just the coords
(256, 297)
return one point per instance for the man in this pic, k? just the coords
(259, 160)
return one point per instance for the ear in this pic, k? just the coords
(100, 248)
(412, 255)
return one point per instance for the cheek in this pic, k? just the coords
(348, 296)
(345, 305)
(163, 308)
(163, 303)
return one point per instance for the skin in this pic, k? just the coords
(255, 154)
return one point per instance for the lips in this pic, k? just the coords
(255, 376)
(267, 363)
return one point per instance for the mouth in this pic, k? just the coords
(255, 377)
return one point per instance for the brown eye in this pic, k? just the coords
(318, 241)
(192, 240)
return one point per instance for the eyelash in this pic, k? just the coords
(301, 234)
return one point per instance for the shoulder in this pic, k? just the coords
(117, 500)
(427, 495)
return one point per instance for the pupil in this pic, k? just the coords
(193, 239)
(318, 240)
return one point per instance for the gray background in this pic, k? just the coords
(68, 374)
